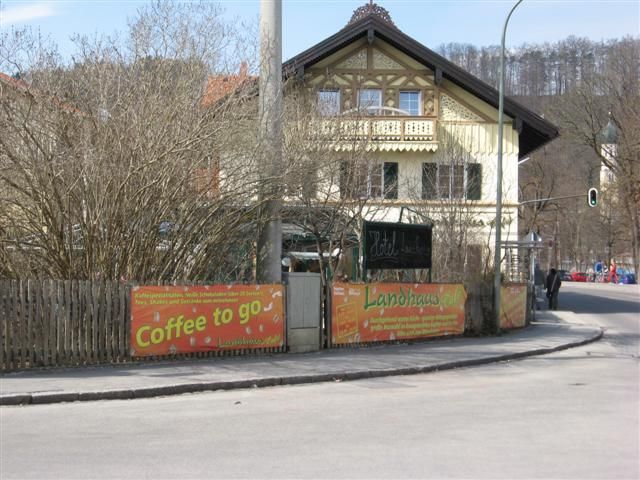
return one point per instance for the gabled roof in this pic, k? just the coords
(220, 86)
(534, 131)
(14, 83)
(26, 89)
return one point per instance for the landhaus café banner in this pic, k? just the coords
(170, 320)
(395, 311)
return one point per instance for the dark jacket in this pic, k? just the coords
(553, 282)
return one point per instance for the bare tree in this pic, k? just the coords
(123, 164)
(332, 182)
(614, 95)
(448, 195)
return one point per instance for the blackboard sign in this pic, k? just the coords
(396, 245)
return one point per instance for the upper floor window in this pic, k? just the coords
(329, 102)
(370, 100)
(410, 101)
(451, 181)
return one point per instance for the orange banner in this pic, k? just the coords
(513, 306)
(170, 320)
(395, 311)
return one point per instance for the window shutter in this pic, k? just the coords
(391, 180)
(345, 180)
(474, 181)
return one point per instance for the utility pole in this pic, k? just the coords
(269, 248)
(497, 259)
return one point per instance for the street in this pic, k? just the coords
(572, 414)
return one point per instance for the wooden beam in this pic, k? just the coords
(438, 76)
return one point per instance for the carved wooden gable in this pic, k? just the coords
(372, 67)
(452, 110)
(358, 61)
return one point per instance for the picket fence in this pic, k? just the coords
(50, 322)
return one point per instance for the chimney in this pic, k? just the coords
(244, 69)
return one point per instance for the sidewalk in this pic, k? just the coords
(551, 332)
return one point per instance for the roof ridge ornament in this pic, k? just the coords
(371, 9)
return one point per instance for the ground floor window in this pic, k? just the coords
(369, 180)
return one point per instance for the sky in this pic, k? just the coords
(306, 22)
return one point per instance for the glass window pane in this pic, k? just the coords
(410, 102)
(329, 102)
(375, 181)
(370, 97)
(444, 181)
(429, 179)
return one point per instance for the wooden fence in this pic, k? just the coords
(51, 322)
(55, 323)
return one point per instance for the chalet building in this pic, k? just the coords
(428, 127)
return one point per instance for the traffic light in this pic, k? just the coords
(592, 197)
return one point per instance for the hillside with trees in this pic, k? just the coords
(580, 85)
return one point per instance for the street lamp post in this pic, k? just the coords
(497, 279)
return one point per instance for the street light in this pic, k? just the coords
(496, 263)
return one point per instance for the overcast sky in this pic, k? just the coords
(305, 23)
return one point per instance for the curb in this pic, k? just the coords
(150, 392)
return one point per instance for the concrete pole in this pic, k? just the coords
(497, 258)
(269, 251)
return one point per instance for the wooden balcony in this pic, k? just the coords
(381, 133)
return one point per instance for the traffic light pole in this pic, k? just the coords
(552, 198)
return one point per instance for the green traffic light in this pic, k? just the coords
(593, 197)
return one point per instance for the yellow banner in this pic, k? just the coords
(395, 311)
(171, 320)
(513, 305)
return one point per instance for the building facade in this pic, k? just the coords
(426, 129)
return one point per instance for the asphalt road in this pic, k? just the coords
(572, 414)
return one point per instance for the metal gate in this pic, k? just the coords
(304, 318)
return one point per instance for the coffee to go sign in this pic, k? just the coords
(170, 320)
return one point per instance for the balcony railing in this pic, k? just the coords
(380, 128)
(381, 133)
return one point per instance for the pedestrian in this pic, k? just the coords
(613, 272)
(552, 284)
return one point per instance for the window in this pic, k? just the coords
(369, 180)
(390, 180)
(329, 102)
(410, 102)
(368, 98)
(451, 181)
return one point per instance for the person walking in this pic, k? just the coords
(552, 284)
(613, 272)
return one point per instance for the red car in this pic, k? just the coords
(579, 277)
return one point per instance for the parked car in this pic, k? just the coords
(626, 277)
(579, 277)
(565, 276)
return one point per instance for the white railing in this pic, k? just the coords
(380, 129)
